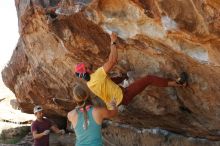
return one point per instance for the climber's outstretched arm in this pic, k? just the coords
(112, 59)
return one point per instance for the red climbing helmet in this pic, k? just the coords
(80, 68)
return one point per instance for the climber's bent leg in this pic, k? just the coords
(138, 86)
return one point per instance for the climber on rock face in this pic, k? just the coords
(107, 88)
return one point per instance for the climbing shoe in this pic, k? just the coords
(183, 79)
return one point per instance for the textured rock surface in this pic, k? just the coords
(118, 134)
(162, 37)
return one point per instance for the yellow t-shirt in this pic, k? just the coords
(102, 86)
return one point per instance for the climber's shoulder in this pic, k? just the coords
(72, 114)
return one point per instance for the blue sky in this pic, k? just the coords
(8, 36)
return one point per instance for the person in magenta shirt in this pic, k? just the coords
(41, 127)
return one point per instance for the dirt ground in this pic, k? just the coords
(55, 140)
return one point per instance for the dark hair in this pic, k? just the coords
(85, 76)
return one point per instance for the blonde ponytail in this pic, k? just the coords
(81, 96)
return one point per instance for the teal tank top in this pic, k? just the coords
(92, 135)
